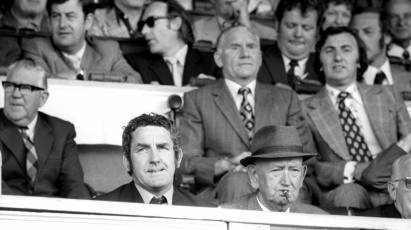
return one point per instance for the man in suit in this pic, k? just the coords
(39, 154)
(290, 62)
(229, 13)
(218, 121)
(372, 30)
(69, 55)
(151, 155)
(171, 60)
(359, 129)
(276, 171)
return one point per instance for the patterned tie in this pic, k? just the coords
(291, 77)
(158, 200)
(31, 155)
(246, 111)
(379, 78)
(357, 147)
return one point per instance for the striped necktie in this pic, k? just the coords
(246, 111)
(31, 155)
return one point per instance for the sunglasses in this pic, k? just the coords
(407, 182)
(24, 89)
(150, 21)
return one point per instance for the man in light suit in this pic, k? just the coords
(218, 121)
(39, 154)
(151, 155)
(171, 60)
(69, 55)
(276, 171)
(359, 129)
(289, 62)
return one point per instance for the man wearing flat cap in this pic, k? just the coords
(276, 171)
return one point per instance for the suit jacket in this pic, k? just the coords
(389, 120)
(272, 70)
(401, 78)
(250, 202)
(211, 126)
(153, 68)
(129, 193)
(387, 211)
(102, 59)
(59, 172)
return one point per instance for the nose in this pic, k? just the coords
(154, 156)
(145, 30)
(298, 31)
(62, 21)
(337, 55)
(244, 51)
(339, 20)
(16, 92)
(285, 178)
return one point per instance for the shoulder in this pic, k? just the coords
(205, 90)
(41, 42)
(55, 122)
(241, 203)
(115, 195)
(183, 197)
(307, 208)
(106, 47)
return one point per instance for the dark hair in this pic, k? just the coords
(326, 3)
(151, 119)
(87, 5)
(174, 10)
(303, 5)
(381, 20)
(331, 31)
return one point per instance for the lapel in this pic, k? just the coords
(159, 67)
(309, 67)
(225, 103)
(264, 106)
(277, 70)
(12, 140)
(90, 57)
(192, 65)
(325, 118)
(131, 194)
(43, 141)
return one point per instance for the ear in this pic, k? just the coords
(43, 98)
(303, 173)
(217, 58)
(387, 38)
(88, 21)
(179, 157)
(176, 23)
(252, 174)
(392, 190)
(126, 164)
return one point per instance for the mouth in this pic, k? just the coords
(338, 68)
(62, 34)
(154, 171)
(296, 43)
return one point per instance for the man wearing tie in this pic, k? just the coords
(39, 154)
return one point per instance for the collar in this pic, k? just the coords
(265, 208)
(233, 86)
(31, 127)
(147, 196)
(369, 75)
(301, 65)
(76, 56)
(352, 89)
(396, 50)
(180, 55)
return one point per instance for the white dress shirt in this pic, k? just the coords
(397, 51)
(31, 127)
(299, 69)
(233, 87)
(356, 105)
(177, 68)
(265, 209)
(147, 196)
(75, 59)
(369, 75)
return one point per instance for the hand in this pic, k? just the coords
(240, 168)
(236, 159)
(405, 143)
(222, 166)
(240, 8)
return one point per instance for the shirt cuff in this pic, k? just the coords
(349, 169)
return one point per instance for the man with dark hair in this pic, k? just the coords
(276, 171)
(218, 121)
(39, 154)
(151, 154)
(359, 129)
(69, 55)
(289, 62)
(336, 13)
(369, 24)
(172, 60)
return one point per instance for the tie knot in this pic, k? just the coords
(342, 96)
(244, 91)
(293, 63)
(406, 55)
(171, 60)
(24, 131)
(158, 200)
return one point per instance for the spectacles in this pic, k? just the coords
(24, 89)
(150, 21)
(407, 181)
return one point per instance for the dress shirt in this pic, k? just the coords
(75, 59)
(369, 75)
(233, 87)
(147, 196)
(397, 51)
(180, 56)
(299, 70)
(356, 105)
(265, 209)
(31, 127)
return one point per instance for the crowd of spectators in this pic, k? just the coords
(299, 110)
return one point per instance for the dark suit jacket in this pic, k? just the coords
(153, 68)
(387, 211)
(250, 202)
(272, 70)
(129, 193)
(211, 126)
(59, 170)
(389, 120)
(102, 59)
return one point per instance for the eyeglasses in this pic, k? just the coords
(24, 89)
(150, 21)
(407, 181)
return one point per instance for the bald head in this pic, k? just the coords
(401, 167)
(240, 29)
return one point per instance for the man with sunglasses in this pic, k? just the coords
(171, 59)
(39, 154)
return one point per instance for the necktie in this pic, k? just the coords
(246, 111)
(406, 55)
(379, 78)
(158, 200)
(357, 147)
(174, 69)
(291, 77)
(31, 156)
